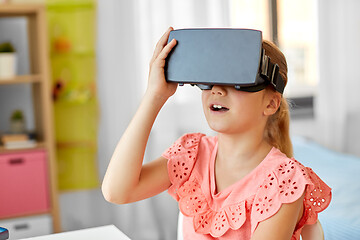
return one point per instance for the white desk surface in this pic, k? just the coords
(109, 232)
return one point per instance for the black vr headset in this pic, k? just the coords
(232, 57)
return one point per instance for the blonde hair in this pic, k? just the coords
(277, 132)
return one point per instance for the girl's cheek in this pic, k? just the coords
(204, 96)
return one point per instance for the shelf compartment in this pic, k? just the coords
(27, 194)
(30, 226)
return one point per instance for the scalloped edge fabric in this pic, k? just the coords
(285, 183)
(182, 156)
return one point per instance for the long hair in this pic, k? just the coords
(277, 132)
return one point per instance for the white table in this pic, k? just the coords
(109, 232)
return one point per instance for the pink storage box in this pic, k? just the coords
(23, 183)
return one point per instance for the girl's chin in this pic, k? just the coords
(220, 128)
(222, 125)
(228, 128)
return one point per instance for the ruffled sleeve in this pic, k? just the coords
(181, 159)
(286, 184)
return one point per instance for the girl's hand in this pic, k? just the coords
(157, 85)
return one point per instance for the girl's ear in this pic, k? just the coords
(273, 101)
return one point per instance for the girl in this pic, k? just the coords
(242, 183)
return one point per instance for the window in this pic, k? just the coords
(250, 14)
(291, 25)
(297, 38)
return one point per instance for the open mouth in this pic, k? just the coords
(218, 108)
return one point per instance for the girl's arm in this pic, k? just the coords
(281, 226)
(126, 179)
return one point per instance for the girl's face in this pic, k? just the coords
(230, 111)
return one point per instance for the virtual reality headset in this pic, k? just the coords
(231, 57)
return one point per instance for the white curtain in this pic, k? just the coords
(128, 32)
(338, 101)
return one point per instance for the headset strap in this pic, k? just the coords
(270, 72)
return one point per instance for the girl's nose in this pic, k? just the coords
(218, 90)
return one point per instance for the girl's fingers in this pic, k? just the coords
(167, 49)
(161, 43)
(157, 82)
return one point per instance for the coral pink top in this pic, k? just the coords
(235, 212)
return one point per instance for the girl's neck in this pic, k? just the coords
(236, 157)
(242, 149)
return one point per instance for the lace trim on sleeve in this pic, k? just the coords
(286, 184)
(181, 159)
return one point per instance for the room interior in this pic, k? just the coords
(89, 60)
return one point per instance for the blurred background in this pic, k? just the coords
(99, 53)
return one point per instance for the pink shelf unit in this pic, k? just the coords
(23, 183)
